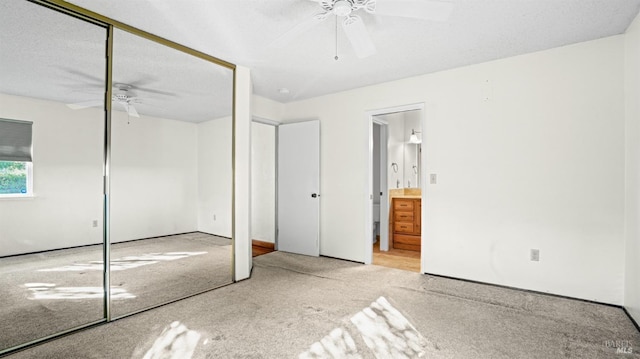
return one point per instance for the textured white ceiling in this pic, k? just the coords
(48, 55)
(241, 32)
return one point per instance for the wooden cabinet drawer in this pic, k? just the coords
(410, 243)
(403, 205)
(403, 227)
(403, 217)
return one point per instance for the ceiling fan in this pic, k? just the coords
(353, 25)
(121, 95)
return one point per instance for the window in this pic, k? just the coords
(15, 178)
(15, 158)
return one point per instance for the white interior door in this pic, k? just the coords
(299, 188)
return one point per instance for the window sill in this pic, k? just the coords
(17, 197)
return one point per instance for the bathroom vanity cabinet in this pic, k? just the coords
(406, 216)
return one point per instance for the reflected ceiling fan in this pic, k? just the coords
(124, 94)
(121, 95)
(353, 25)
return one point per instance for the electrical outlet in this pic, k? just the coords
(95, 223)
(214, 217)
(433, 178)
(535, 255)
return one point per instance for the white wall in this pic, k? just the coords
(529, 153)
(215, 177)
(263, 182)
(154, 177)
(243, 261)
(167, 177)
(67, 184)
(632, 188)
(265, 108)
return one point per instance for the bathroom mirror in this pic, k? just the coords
(412, 147)
(51, 173)
(404, 148)
(171, 174)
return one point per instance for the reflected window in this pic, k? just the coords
(15, 158)
(15, 178)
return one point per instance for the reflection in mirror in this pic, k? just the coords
(171, 174)
(51, 170)
(404, 148)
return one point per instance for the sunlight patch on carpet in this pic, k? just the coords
(384, 330)
(387, 333)
(175, 342)
(338, 344)
(40, 291)
(124, 263)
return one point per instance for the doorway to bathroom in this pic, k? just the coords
(394, 207)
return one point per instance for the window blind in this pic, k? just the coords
(15, 140)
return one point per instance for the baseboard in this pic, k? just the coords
(100, 244)
(51, 250)
(526, 290)
(631, 318)
(212, 234)
(633, 321)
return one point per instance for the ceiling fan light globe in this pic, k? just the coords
(342, 8)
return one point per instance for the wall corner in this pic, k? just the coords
(242, 174)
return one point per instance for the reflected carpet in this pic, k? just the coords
(49, 292)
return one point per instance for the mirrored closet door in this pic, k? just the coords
(52, 149)
(139, 197)
(171, 174)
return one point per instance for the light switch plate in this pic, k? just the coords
(535, 255)
(433, 178)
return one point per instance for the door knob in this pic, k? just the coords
(314, 195)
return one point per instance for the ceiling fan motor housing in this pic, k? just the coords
(346, 7)
(122, 94)
(121, 97)
(342, 8)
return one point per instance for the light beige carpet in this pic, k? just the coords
(296, 306)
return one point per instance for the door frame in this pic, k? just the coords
(275, 124)
(384, 200)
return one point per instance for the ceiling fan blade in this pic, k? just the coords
(131, 110)
(85, 76)
(128, 108)
(358, 36)
(418, 9)
(85, 104)
(158, 92)
(284, 39)
(143, 80)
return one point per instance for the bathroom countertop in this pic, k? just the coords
(405, 193)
